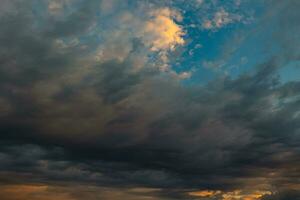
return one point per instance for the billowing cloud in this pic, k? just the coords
(161, 32)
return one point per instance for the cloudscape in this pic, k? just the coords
(149, 100)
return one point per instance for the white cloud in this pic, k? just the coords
(56, 7)
(199, 2)
(220, 19)
(185, 75)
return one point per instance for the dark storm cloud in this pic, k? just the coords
(76, 23)
(290, 194)
(67, 118)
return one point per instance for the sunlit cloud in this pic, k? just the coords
(161, 32)
(205, 193)
(234, 195)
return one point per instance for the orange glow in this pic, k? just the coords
(204, 193)
(239, 195)
(32, 192)
(234, 195)
(24, 188)
(162, 33)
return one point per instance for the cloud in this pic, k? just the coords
(161, 32)
(220, 19)
(72, 192)
(234, 195)
(56, 7)
(204, 193)
(85, 104)
(283, 195)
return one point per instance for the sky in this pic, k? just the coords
(150, 100)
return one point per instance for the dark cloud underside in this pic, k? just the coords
(85, 101)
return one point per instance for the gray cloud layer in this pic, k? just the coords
(67, 115)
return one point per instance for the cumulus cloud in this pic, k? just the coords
(161, 32)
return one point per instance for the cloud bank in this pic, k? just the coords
(88, 97)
